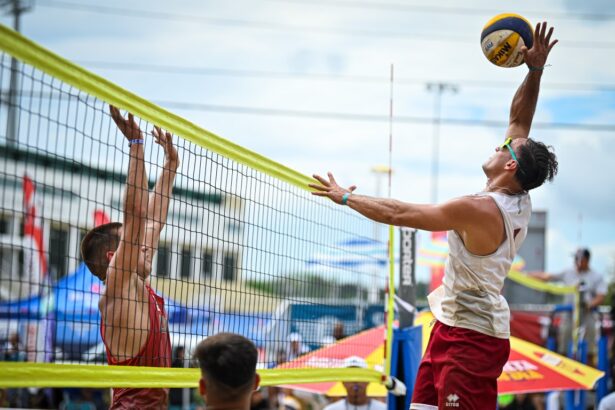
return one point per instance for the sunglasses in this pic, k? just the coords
(506, 144)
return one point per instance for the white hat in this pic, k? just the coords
(294, 337)
(355, 361)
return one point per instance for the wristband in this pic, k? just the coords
(345, 198)
(538, 68)
(130, 142)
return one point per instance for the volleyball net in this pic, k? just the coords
(245, 247)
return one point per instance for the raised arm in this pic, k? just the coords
(125, 262)
(160, 197)
(524, 102)
(124, 303)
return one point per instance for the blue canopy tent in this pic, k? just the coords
(21, 309)
(78, 319)
(76, 312)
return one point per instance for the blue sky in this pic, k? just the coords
(314, 57)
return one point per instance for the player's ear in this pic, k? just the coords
(511, 165)
(109, 255)
(257, 381)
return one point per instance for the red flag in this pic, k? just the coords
(38, 340)
(33, 231)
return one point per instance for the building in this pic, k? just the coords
(201, 244)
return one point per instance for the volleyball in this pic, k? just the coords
(503, 37)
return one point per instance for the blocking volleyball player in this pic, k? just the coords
(469, 342)
(134, 322)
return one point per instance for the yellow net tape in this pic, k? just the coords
(537, 284)
(17, 374)
(62, 375)
(33, 54)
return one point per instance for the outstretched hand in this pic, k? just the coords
(165, 140)
(330, 188)
(128, 127)
(536, 57)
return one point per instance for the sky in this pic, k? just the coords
(307, 83)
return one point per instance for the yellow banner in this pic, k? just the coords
(585, 375)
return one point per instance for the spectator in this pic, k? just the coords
(338, 331)
(228, 371)
(14, 352)
(297, 348)
(281, 357)
(592, 288)
(356, 392)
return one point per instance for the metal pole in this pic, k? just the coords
(16, 8)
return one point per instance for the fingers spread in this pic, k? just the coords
(331, 178)
(548, 39)
(116, 115)
(318, 187)
(321, 180)
(156, 134)
(537, 31)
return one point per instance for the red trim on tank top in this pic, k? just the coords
(112, 360)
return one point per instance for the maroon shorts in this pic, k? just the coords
(459, 370)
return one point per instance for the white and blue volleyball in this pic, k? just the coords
(502, 39)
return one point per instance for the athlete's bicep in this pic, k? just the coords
(452, 215)
(516, 130)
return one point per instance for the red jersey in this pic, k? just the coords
(156, 352)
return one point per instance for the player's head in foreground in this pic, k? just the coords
(228, 370)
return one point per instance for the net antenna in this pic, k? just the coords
(395, 386)
(390, 309)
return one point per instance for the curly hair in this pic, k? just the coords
(537, 163)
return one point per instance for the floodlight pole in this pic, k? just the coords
(16, 8)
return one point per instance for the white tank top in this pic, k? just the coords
(469, 296)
